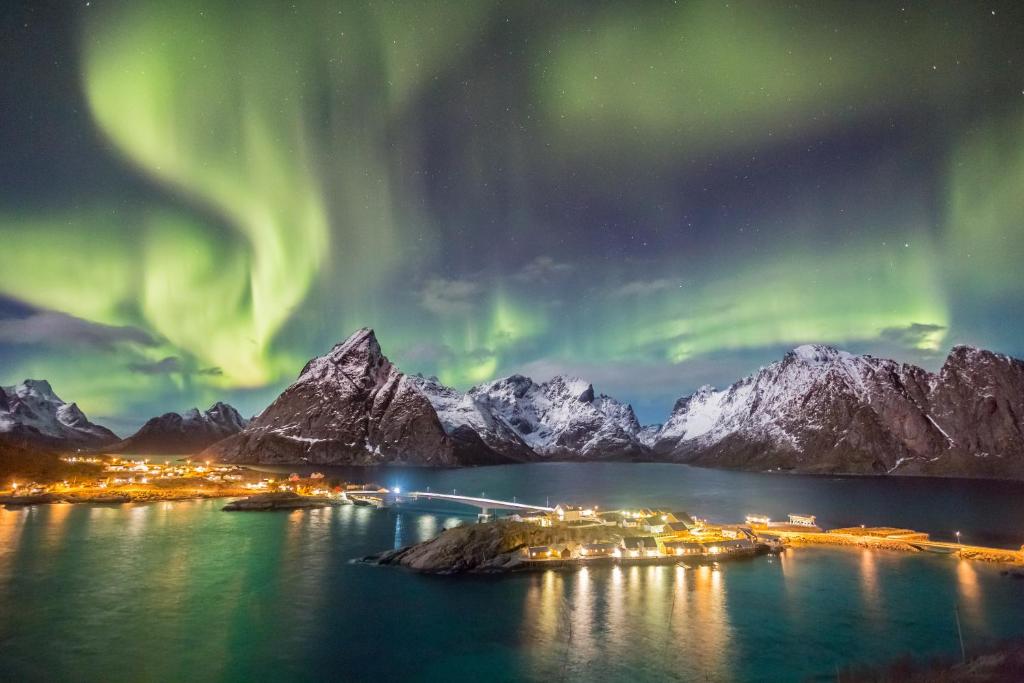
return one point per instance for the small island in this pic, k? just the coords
(570, 537)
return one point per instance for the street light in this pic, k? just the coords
(958, 539)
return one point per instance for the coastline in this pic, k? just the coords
(116, 496)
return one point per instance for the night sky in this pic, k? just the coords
(196, 197)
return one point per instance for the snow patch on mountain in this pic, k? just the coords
(33, 411)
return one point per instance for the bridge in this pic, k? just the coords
(387, 498)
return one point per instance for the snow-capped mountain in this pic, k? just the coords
(459, 412)
(824, 410)
(562, 418)
(179, 434)
(32, 414)
(352, 406)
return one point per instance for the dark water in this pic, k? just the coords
(183, 591)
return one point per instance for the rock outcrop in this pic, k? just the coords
(485, 548)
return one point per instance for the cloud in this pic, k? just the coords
(171, 365)
(165, 366)
(920, 336)
(543, 269)
(431, 353)
(423, 353)
(449, 297)
(644, 287)
(53, 328)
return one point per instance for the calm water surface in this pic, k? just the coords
(176, 591)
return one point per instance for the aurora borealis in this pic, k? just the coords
(197, 197)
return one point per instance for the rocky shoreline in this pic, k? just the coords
(119, 496)
(483, 548)
(284, 500)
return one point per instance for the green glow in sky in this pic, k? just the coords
(496, 186)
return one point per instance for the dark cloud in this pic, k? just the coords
(57, 329)
(644, 287)
(430, 353)
(166, 366)
(543, 269)
(426, 352)
(450, 297)
(914, 335)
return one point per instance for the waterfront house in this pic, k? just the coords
(735, 545)
(653, 523)
(598, 549)
(677, 528)
(568, 513)
(802, 520)
(683, 548)
(684, 517)
(539, 552)
(640, 546)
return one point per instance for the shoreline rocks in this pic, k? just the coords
(284, 500)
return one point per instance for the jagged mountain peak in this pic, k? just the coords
(31, 413)
(576, 388)
(817, 354)
(36, 388)
(358, 359)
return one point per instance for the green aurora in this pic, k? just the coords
(654, 194)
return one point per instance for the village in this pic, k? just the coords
(112, 479)
(652, 535)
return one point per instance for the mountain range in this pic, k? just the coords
(353, 406)
(818, 410)
(824, 410)
(183, 433)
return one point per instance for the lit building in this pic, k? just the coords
(640, 546)
(598, 550)
(802, 520)
(568, 513)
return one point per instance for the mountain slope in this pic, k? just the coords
(31, 414)
(179, 434)
(562, 418)
(352, 406)
(824, 410)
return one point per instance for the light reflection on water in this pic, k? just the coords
(188, 592)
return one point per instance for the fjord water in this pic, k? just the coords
(183, 591)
